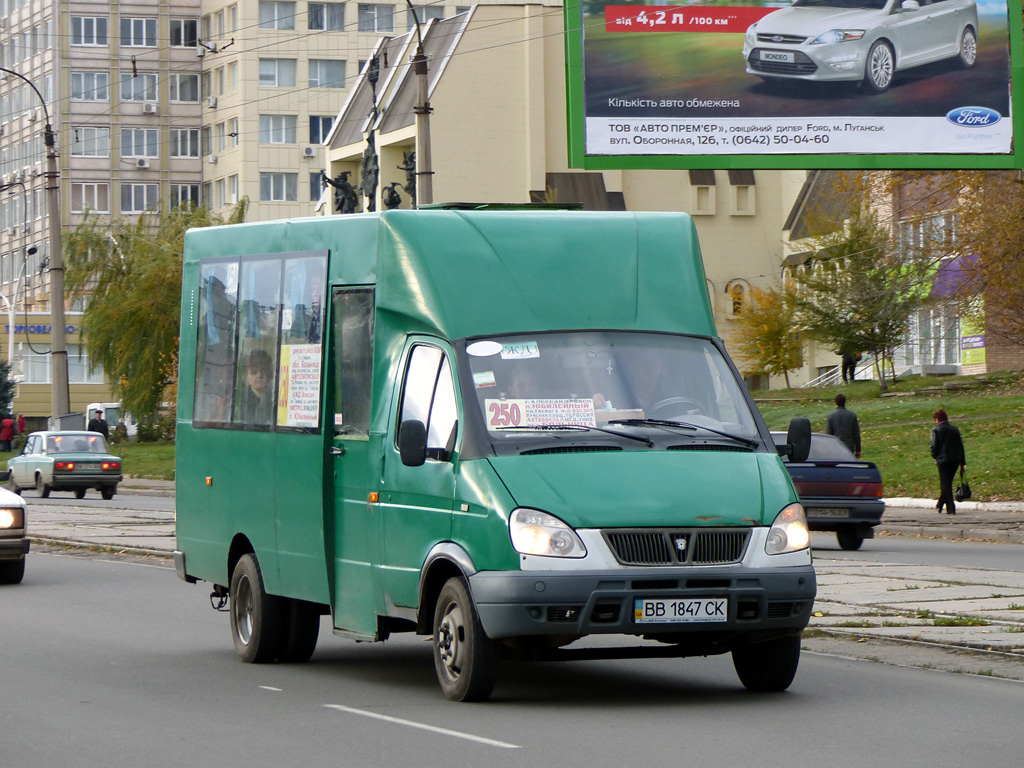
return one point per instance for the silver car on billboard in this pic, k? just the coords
(860, 40)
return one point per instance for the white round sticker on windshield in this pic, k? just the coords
(483, 348)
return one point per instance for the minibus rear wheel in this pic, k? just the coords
(257, 619)
(466, 659)
(767, 667)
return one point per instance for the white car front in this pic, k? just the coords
(853, 40)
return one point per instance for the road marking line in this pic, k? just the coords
(271, 688)
(423, 726)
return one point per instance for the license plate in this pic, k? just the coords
(87, 467)
(828, 513)
(785, 57)
(692, 610)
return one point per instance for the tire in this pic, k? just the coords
(466, 660)
(302, 633)
(108, 491)
(12, 571)
(849, 539)
(79, 493)
(880, 67)
(257, 619)
(767, 667)
(968, 49)
(42, 488)
(15, 488)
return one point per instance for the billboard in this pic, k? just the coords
(867, 84)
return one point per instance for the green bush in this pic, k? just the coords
(156, 428)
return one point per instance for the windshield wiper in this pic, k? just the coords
(685, 425)
(583, 428)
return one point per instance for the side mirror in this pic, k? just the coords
(412, 443)
(798, 439)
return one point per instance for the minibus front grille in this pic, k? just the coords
(711, 447)
(656, 546)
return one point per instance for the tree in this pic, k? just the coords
(7, 387)
(131, 273)
(766, 336)
(856, 294)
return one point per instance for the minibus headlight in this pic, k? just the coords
(789, 531)
(11, 517)
(538, 533)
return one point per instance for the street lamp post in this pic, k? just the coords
(60, 400)
(424, 171)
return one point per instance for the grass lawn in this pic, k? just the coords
(989, 410)
(152, 460)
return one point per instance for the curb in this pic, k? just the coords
(989, 506)
(74, 544)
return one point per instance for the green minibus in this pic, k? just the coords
(508, 429)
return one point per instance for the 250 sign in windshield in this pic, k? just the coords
(680, 610)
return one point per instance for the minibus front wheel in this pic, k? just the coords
(466, 659)
(769, 666)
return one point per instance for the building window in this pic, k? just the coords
(742, 198)
(140, 142)
(90, 86)
(424, 13)
(326, 17)
(319, 129)
(88, 30)
(140, 87)
(277, 15)
(184, 33)
(281, 187)
(90, 197)
(184, 193)
(185, 142)
(220, 190)
(220, 137)
(326, 73)
(139, 198)
(316, 187)
(183, 87)
(702, 192)
(233, 131)
(233, 75)
(232, 13)
(90, 141)
(138, 33)
(277, 72)
(233, 189)
(278, 129)
(376, 18)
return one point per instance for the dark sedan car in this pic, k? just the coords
(839, 492)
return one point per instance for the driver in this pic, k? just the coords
(648, 383)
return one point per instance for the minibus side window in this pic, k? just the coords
(215, 353)
(352, 333)
(428, 395)
(259, 299)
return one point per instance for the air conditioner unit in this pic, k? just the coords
(142, 162)
(309, 151)
(150, 108)
(211, 102)
(211, 159)
(33, 115)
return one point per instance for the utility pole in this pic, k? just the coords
(424, 171)
(60, 400)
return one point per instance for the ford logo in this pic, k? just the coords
(972, 116)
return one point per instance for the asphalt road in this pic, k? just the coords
(113, 663)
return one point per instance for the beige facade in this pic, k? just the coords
(498, 134)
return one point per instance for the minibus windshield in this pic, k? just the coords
(593, 384)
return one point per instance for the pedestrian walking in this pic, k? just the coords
(842, 423)
(21, 424)
(947, 448)
(849, 368)
(6, 432)
(98, 424)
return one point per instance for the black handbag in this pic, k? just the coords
(963, 491)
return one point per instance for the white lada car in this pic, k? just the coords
(853, 40)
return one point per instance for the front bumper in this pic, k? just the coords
(13, 549)
(819, 63)
(532, 603)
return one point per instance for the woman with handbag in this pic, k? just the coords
(947, 448)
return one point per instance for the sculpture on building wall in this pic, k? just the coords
(369, 172)
(345, 199)
(409, 166)
(390, 197)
